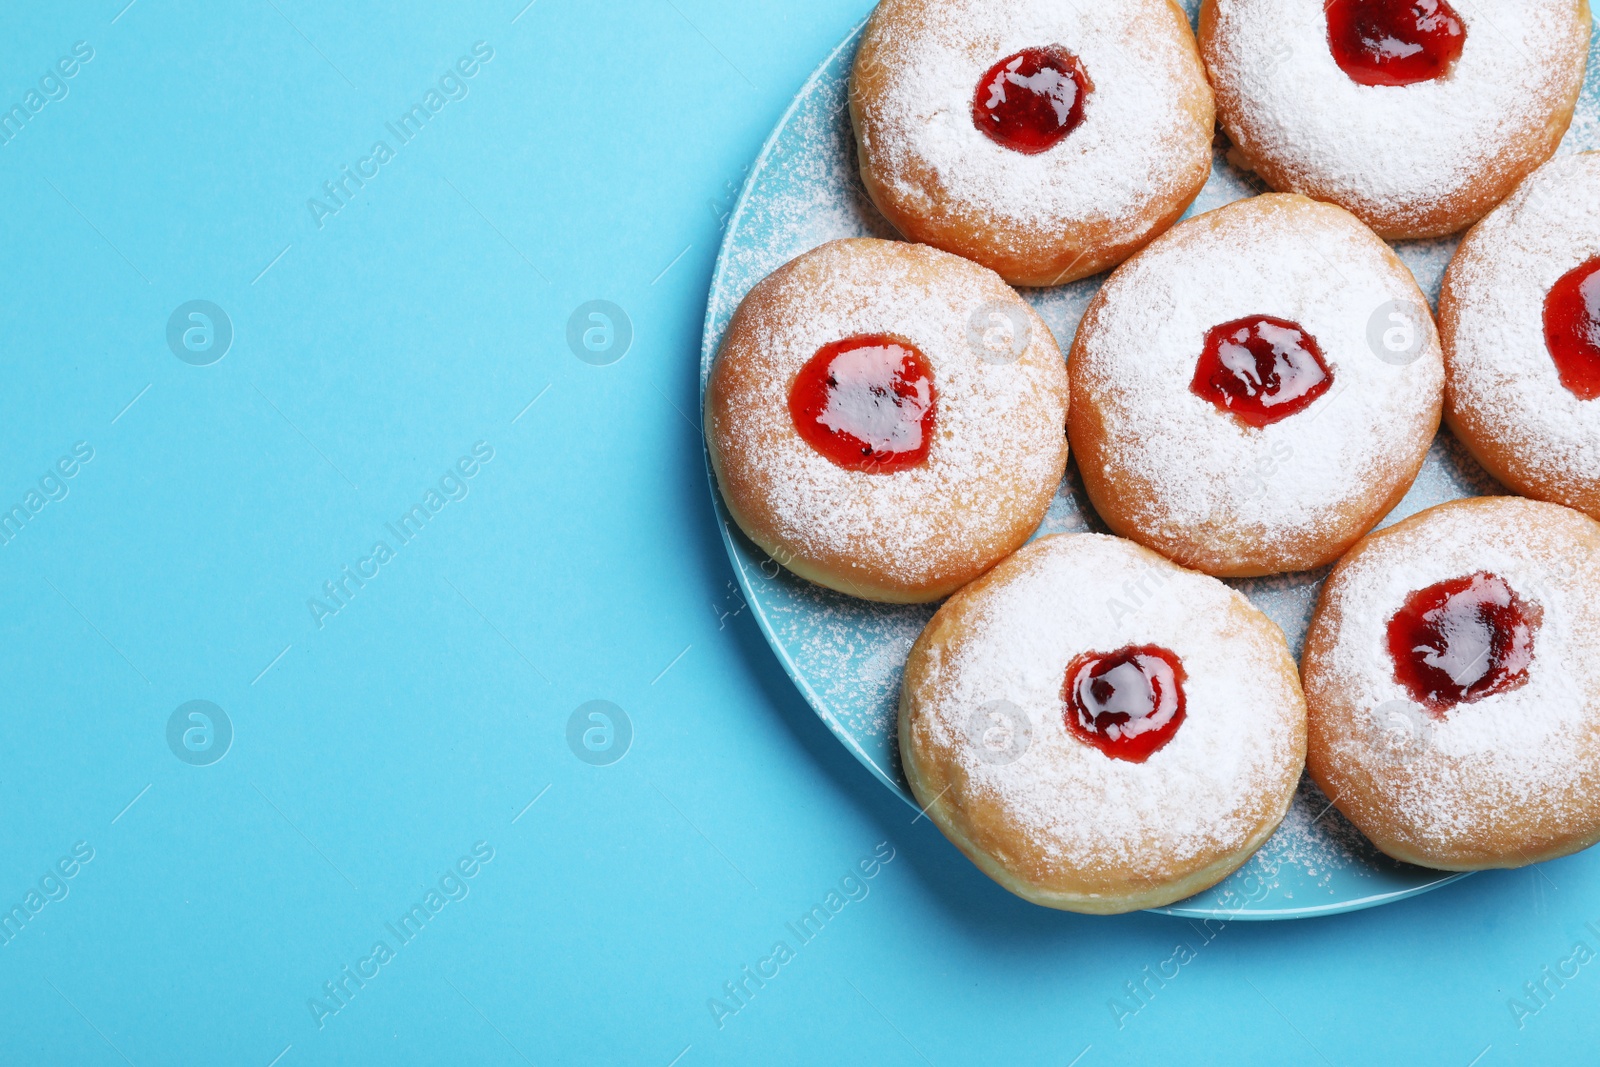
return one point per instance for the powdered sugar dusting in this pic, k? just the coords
(820, 199)
(1372, 147)
(1194, 465)
(1500, 366)
(1110, 167)
(1205, 792)
(1524, 754)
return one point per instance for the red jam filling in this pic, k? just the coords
(1462, 640)
(1127, 703)
(1394, 42)
(1029, 101)
(867, 403)
(1261, 369)
(1572, 329)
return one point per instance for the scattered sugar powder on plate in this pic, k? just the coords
(1318, 841)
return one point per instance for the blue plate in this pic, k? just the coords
(846, 655)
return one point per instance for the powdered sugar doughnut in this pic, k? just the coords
(886, 419)
(1519, 314)
(1094, 756)
(1046, 140)
(1458, 101)
(1256, 389)
(1452, 674)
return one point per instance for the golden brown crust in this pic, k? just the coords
(1489, 430)
(1131, 499)
(917, 199)
(985, 824)
(911, 536)
(1422, 794)
(1544, 123)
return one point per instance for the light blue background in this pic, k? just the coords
(594, 157)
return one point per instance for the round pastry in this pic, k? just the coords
(1045, 140)
(1256, 389)
(1416, 115)
(886, 419)
(1100, 730)
(1452, 675)
(1519, 314)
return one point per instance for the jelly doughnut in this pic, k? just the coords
(1256, 389)
(1045, 140)
(1416, 115)
(1100, 730)
(886, 419)
(1453, 685)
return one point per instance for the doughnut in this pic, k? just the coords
(1519, 315)
(1045, 140)
(1418, 116)
(886, 419)
(1256, 389)
(1100, 730)
(1452, 678)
